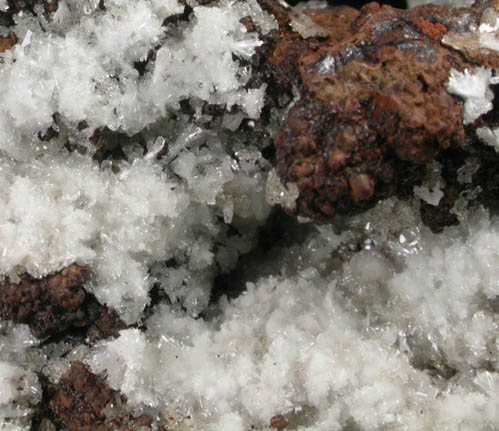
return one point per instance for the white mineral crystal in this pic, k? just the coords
(371, 324)
(19, 386)
(488, 29)
(84, 68)
(431, 189)
(489, 136)
(121, 224)
(474, 87)
(334, 349)
(280, 194)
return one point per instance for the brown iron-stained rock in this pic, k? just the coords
(278, 422)
(79, 400)
(373, 105)
(335, 20)
(55, 303)
(475, 44)
(7, 42)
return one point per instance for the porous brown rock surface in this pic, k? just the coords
(56, 303)
(7, 42)
(373, 107)
(79, 400)
(278, 422)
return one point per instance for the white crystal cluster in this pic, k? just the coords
(486, 37)
(60, 207)
(431, 189)
(474, 87)
(329, 347)
(82, 67)
(64, 209)
(126, 220)
(20, 390)
(374, 323)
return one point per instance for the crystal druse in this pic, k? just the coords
(237, 214)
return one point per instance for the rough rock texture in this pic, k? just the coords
(371, 323)
(79, 403)
(278, 422)
(468, 40)
(7, 42)
(373, 109)
(55, 303)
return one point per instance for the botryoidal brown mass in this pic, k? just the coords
(80, 399)
(56, 303)
(373, 108)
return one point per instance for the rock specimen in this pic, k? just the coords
(56, 303)
(79, 402)
(153, 141)
(7, 42)
(374, 106)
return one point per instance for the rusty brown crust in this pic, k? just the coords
(373, 110)
(79, 400)
(56, 303)
(7, 42)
